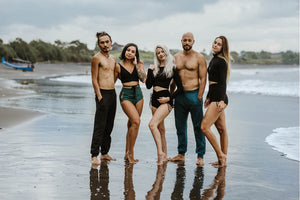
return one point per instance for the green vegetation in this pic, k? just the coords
(75, 51)
(262, 58)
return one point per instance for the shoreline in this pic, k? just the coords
(9, 88)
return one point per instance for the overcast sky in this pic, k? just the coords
(251, 25)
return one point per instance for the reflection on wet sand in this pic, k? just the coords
(195, 192)
(218, 185)
(99, 182)
(180, 181)
(154, 193)
(129, 192)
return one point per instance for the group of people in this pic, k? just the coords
(178, 82)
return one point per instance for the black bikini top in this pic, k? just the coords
(126, 76)
(163, 81)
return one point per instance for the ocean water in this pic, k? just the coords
(264, 81)
(271, 81)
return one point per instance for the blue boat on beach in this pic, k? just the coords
(30, 66)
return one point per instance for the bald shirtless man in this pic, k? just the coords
(192, 70)
(103, 79)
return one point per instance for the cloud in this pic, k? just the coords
(271, 25)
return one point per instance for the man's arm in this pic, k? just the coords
(95, 74)
(116, 73)
(173, 84)
(202, 76)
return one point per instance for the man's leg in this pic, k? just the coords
(106, 142)
(197, 116)
(99, 127)
(181, 115)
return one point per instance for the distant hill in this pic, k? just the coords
(116, 47)
(75, 51)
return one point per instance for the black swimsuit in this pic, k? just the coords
(163, 81)
(217, 72)
(126, 76)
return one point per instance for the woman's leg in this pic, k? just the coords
(139, 108)
(127, 141)
(162, 130)
(159, 115)
(133, 126)
(209, 119)
(221, 127)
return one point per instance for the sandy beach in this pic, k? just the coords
(47, 129)
(9, 89)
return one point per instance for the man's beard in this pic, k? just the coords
(105, 50)
(187, 47)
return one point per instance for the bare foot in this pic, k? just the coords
(161, 158)
(214, 163)
(200, 162)
(107, 157)
(179, 157)
(222, 162)
(132, 159)
(95, 161)
(165, 158)
(126, 156)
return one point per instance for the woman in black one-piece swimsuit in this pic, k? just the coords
(217, 100)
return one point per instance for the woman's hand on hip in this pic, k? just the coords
(163, 100)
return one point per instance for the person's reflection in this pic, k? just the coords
(129, 192)
(195, 192)
(218, 184)
(99, 184)
(154, 193)
(179, 184)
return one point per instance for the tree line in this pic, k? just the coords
(40, 51)
(75, 51)
(261, 58)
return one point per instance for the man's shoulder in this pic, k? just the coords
(180, 53)
(97, 56)
(198, 55)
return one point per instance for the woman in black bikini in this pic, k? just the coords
(217, 100)
(159, 77)
(130, 70)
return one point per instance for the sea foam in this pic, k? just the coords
(273, 88)
(286, 141)
(263, 81)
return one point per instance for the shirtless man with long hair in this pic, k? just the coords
(103, 79)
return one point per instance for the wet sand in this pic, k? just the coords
(48, 157)
(10, 89)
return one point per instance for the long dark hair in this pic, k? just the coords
(225, 53)
(122, 56)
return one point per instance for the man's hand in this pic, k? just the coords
(206, 103)
(199, 97)
(99, 97)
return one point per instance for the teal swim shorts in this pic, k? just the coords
(133, 94)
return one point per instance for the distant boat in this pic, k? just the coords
(30, 66)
